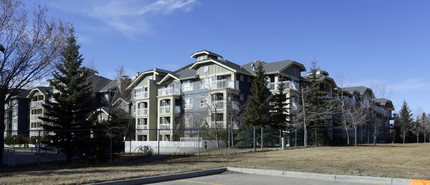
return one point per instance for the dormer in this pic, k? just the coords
(204, 55)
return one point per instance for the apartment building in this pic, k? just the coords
(37, 97)
(17, 113)
(209, 92)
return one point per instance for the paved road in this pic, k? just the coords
(247, 179)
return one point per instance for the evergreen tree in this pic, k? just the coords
(405, 120)
(68, 112)
(279, 116)
(257, 109)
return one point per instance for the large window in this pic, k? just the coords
(187, 85)
(188, 103)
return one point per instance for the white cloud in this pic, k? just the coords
(131, 18)
(410, 84)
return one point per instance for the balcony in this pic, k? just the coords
(218, 104)
(141, 95)
(271, 85)
(35, 116)
(168, 91)
(187, 88)
(221, 84)
(217, 124)
(165, 126)
(165, 109)
(177, 109)
(234, 105)
(291, 85)
(142, 127)
(36, 103)
(142, 111)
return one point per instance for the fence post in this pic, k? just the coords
(158, 141)
(38, 150)
(110, 152)
(198, 142)
(253, 141)
(130, 146)
(295, 137)
(280, 139)
(262, 138)
(228, 141)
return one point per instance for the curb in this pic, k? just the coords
(326, 177)
(161, 178)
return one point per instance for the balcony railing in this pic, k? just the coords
(177, 109)
(142, 127)
(291, 85)
(141, 95)
(142, 111)
(234, 105)
(165, 126)
(271, 85)
(221, 84)
(217, 124)
(36, 103)
(35, 116)
(218, 104)
(165, 109)
(168, 91)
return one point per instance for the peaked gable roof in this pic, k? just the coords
(361, 89)
(136, 80)
(273, 67)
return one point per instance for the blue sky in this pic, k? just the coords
(375, 43)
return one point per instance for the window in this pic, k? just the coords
(188, 119)
(205, 83)
(187, 85)
(241, 77)
(188, 103)
(241, 98)
(142, 121)
(203, 101)
(201, 58)
(249, 79)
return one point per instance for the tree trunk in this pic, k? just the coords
(2, 126)
(305, 131)
(355, 135)
(418, 137)
(404, 136)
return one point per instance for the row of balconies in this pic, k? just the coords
(166, 108)
(164, 126)
(287, 85)
(213, 85)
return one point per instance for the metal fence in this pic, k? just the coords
(105, 145)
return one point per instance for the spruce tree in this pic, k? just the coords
(279, 116)
(67, 113)
(257, 110)
(405, 120)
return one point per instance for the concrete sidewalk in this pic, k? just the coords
(279, 173)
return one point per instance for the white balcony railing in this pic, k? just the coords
(142, 127)
(218, 104)
(35, 116)
(168, 91)
(141, 95)
(291, 85)
(271, 85)
(221, 84)
(142, 111)
(177, 109)
(234, 105)
(165, 109)
(165, 126)
(36, 103)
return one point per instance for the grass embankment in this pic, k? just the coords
(401, 161)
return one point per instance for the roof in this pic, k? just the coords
(98, 82)
(361, 89)
(121, 114)
(186, 73)
(43, 90)
(273, 67)
(385, 102)
(204, 52)
(136, 80)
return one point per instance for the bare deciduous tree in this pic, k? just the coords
(29, 48)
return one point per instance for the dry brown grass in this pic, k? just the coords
(401, 161)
